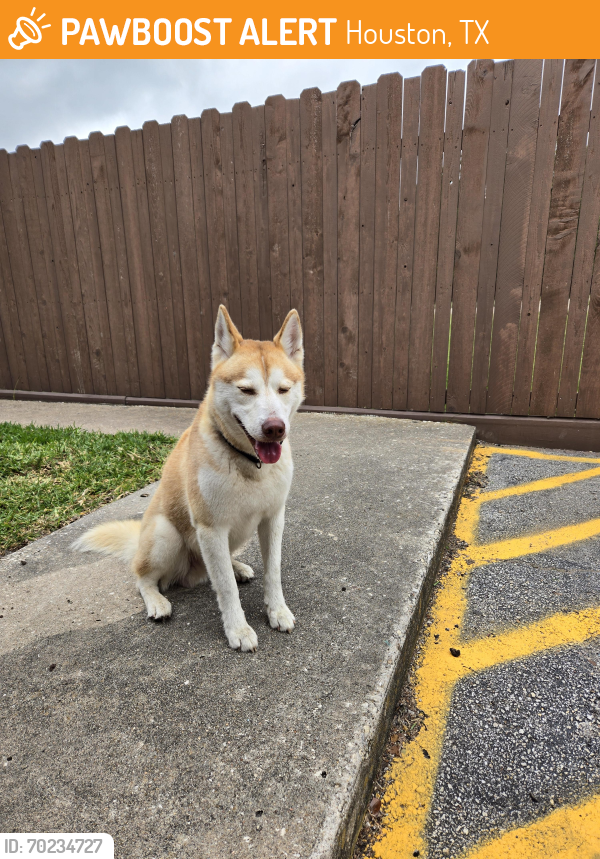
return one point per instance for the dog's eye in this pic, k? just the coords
(283, 390)
(248, 391)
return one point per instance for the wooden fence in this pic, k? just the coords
(436, 234)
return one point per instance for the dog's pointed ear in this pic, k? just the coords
(289, 338)
(227, 338)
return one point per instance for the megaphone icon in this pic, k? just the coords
(26, 31)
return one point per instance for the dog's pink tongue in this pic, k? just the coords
(268, 451)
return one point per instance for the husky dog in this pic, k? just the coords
(228, 476)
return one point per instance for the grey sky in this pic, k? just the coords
(52, 99)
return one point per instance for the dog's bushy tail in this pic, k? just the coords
(120, 539)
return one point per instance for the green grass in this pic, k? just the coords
(50, 476)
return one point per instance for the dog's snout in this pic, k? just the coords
(274, 429)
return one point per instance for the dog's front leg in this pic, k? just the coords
(214, 546)
(270, 533)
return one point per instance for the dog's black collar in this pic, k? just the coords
(253, 459)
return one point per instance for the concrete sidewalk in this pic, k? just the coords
(108, 419)
(176, 745)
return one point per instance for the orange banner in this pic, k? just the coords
(223, 29)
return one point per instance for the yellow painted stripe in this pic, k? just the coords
(541, 485)
(534, 454)
(469, 513)
(571, 832)
(505, 550)
(559, 630)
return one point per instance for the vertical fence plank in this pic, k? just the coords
(83, 260)
(573, 127)
(13, 337)
(65, 263)
(587, 240)
(150, 284)
(53, 292)
(311, 141)
(387, 191)
(427, 221)
(31, 264)
(261, 214)
(22, 277)
(516, 205)
(42, 266)
(7, 337)
(207, 320)
(455, 99)
(79, 291)
(294, 177)
(99, 171)
(170, 202)
(536, 238)
(490, 233)
(588, 398)
(32, 253)
(469, 230)
(160, 256)
(134, 200)
(10, 351)
(368, 142)
(276, 154)
(117, 227)
(5, 376)
(348, 226)
(406, 237)
(96, 265)
(230, 217)
(246, 219)
(330, 245)
(213, 195)
(184, 198)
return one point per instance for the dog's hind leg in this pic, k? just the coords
(196, 575)
(161, 558)
(242, 572)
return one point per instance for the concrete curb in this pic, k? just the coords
(342, 826)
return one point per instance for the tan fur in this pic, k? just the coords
(210, 497)
(120, 539)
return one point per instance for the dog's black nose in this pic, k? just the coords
(274, 429)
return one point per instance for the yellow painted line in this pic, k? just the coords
(534, 454)
(571, 832)
(517, 547)
(412, 775)
(559, 630)
(470, 515)
(541, 485)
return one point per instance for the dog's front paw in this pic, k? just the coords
(242, 638)
(281, 618)
(242, 572)
(158, 606)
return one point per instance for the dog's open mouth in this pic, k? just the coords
(267, 451)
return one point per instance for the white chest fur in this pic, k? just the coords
(237, 503)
